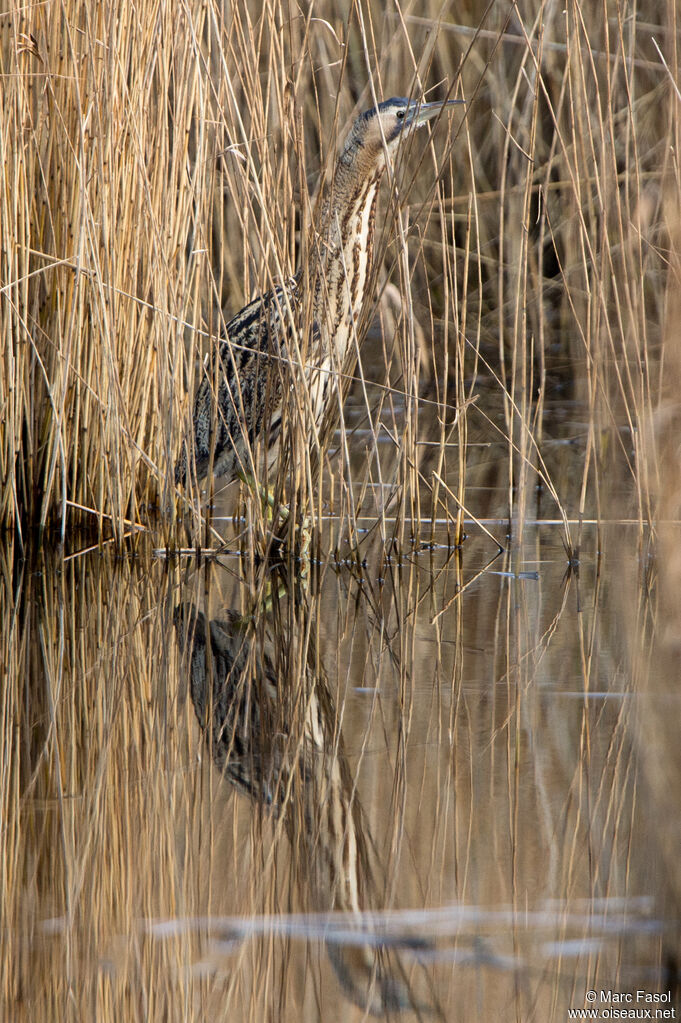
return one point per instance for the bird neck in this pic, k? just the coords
(344, 248)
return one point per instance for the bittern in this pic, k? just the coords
(246, 372)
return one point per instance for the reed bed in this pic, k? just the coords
(160, 168)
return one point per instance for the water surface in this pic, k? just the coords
(410, 782)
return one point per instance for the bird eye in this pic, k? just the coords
(399, 114)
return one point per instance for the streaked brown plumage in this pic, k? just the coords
(248, 368)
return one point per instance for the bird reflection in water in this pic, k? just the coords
(270, 723)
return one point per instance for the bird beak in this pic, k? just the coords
(419, 113)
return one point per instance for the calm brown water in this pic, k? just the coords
(422, 790)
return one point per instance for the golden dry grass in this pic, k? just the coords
(159, 168)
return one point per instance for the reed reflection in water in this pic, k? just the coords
(163, 862)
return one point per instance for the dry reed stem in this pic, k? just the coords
(147, 155)
(139, 148)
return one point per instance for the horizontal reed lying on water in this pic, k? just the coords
(160, 164)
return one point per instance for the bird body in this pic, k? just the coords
(244, 372)
(239, 402)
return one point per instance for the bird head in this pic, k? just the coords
(389, 124)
